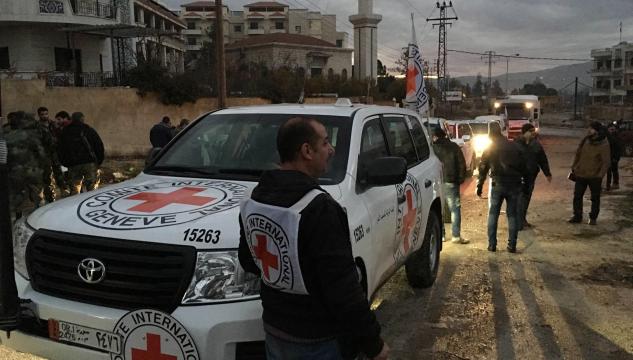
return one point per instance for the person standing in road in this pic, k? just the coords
(454, 166)
(53, 170)
(506, 163)
(27, 158)
(81, 151)
(536, 160)
(615, 145)
(161, 133)
(323, 301)
(591, 163)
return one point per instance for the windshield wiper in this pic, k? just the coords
(182, 169)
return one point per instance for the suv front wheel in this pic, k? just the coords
(422, 265)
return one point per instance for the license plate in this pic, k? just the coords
(85, 336)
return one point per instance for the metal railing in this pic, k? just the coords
(86, 79)
(101, 9)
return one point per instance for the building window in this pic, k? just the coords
(237, 28)
(192, 40)
(279, 25)
(191, 25)
(254, 25)
(618, 63)
(617, 83)
(339, 43)
(316, 72)
(51, 7)
(4, 58)
(298, 29)
(64, 60)
(344, 74)
(330, 73)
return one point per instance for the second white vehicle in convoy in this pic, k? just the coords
(148, 268)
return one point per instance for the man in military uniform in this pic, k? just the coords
(26, 159)
(52, 170)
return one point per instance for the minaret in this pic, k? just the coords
(365, 40)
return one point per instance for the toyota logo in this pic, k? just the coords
(91, 271)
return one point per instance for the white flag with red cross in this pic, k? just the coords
(417, 97)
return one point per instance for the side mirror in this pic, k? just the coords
(385, 171)
(466, 138)
(152, 155)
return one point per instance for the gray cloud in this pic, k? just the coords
(536, 28)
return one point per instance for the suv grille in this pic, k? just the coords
(138, 274)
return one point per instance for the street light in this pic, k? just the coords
(507, 68)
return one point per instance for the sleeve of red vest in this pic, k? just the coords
(338, 280)
(244, 254)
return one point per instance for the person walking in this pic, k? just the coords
(615, 145)
(27, 159)
(81, 151)
(161, 133)
(320, 311)
(506, 163)
(454, 166)
(536, 160)
(591, 163)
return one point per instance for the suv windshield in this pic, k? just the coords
(479, 128)
(242, 146)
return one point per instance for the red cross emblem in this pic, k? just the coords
(268, 259)
(412, 72)
(408, 220)
(155, 201)
(153, 351)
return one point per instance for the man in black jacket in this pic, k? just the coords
(616, 152)
(536, 161)
(80, 150)
(454, 166)
(296, 238)
(161, 133)
(506, 163)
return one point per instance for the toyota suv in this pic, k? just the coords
(148, 268)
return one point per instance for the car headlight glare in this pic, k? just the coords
(219, 277)
(22, 233)
(481, 143)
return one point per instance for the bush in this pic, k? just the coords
(172, 89)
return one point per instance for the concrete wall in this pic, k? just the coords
(608, 113)
(122, 118)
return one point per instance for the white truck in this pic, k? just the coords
(148, 268)
(518, 110)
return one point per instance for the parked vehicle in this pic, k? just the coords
(481, 128)
(518, 110)
(150, 265)
(464, 143)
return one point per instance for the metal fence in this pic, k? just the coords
(105, 10)
(89, 79)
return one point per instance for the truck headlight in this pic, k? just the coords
(481, 143)
(218, 277)
(22, 233)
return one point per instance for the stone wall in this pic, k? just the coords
(608, 112)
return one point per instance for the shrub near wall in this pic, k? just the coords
(122, 117)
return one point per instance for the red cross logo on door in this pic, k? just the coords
(268, 259)
(156, 201)
(408, 220)
(153, 351)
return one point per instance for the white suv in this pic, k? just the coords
(149, 267)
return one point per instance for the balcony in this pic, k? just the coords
(191, 31)
(601, 53)
(194, 47)
(603, 71)
(255, 31)
(278, 31)
(94, 8)
(599, 92)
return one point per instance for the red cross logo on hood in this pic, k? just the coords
(153, 351)
(156, 201)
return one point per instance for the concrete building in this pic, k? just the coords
(315, 56)
(365, 40)
(256, 19)
(82, 42)
(612, 74)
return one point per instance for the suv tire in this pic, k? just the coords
(422, 265)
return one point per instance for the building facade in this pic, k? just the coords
(315, 57)
(256, 19)
(612, 74)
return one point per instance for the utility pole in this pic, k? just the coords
(575, 98)
(220, 61)
(490, 56)
(507, 70)
(442, 83)
(620, 31)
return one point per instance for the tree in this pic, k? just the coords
(454, 84)
(402, 61)
(496, 89)
(478, 90)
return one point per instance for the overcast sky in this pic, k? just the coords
(535, 28)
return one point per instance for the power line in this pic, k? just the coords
(515, 57)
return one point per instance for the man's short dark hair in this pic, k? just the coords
(62, 114)
(527, 127)
(40, 109)
(293, 134)
(439, 133)
(77, 116)
(166, 119)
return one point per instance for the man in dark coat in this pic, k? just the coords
(506, 163)
(161, 133)
(536, 161)
(81, 151)
(454, 166)
(296, 238)
(616, 152)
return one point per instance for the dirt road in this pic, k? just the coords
(567, 293)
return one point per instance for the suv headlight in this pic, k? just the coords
(218, 277)
(22, 233)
